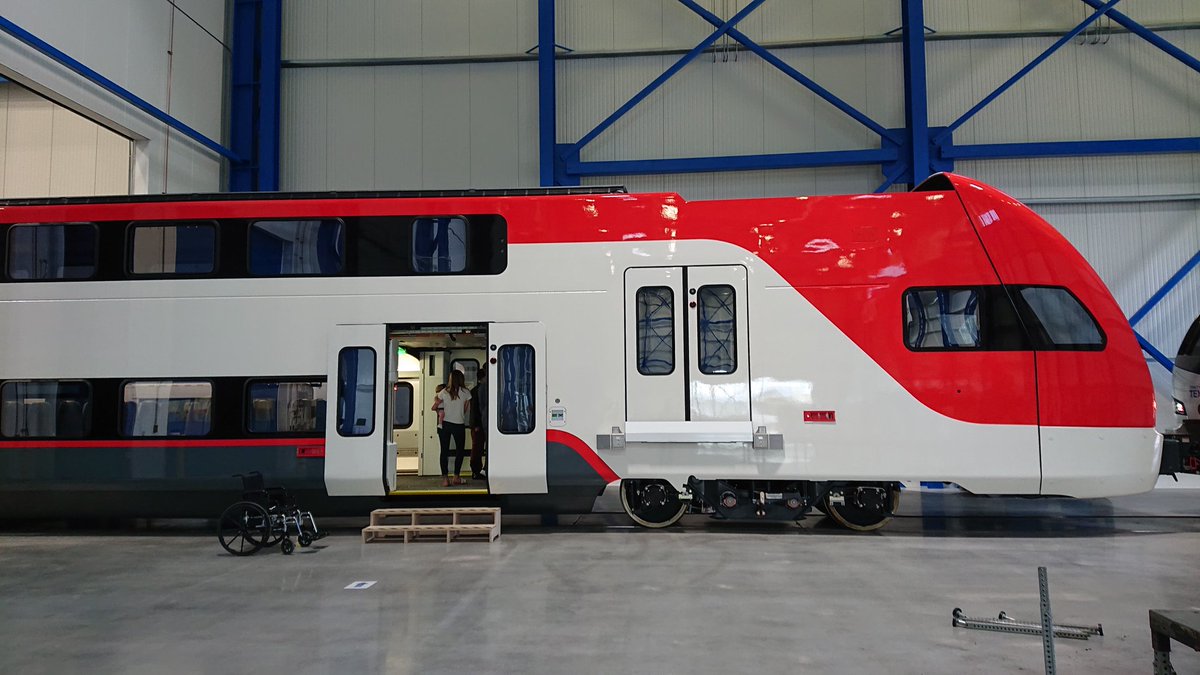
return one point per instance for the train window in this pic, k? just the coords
(166, 408)
(356, 391)
(716, 330)
(41, 252)
(655, 330)
(286, 407)
(470, 370)
(942, 318)
(296, 247)
(402, 405)
(45, 409)
(1059, 321)
(173, 248)
(439, 245)
(515, 389)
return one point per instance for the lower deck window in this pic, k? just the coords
(166, 408)
(45, 409)
(286, 407)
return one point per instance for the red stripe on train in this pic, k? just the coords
(308, 444)
(583, 450)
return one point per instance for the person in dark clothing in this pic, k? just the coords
(479, 422)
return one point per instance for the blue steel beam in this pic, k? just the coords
(112, 87)
(254, 103)
(1150, 36)
(722, 29)
(732, 163)
(1166, 288)
(1154, 353)
(1024, 71)
(791, 72)
(916, 95)
(1070, 148)
(547, 112)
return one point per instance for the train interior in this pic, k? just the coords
(426, 357)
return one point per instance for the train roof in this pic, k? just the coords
(299, 196)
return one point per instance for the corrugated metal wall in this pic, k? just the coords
(426, 125)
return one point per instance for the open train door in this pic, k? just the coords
(360, 456)
(516, 408)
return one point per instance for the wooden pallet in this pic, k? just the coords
(418, 524)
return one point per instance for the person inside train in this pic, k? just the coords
(455, 403)
(479, 424)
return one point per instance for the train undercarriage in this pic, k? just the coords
(857, 506)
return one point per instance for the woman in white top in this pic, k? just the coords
(455, 402)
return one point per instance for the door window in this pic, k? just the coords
(716, 329)
(655, 330)
(515, 390)
(356, 391)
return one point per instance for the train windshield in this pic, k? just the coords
(1191, 341)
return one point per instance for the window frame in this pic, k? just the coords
(412, 405)
(500, 394)
(980, 291)
(412, 254)
(638, 353)
(212, 412)
(374, 391)
(8, 251)
(699, 342)
(133, 226)
(249, 248)
(247, 400)
(87, 418)
(1040, 337)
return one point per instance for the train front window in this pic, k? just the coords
(166, 408)
(439, 245)
(942, 318)
(286, 407)
(296, 247)
(175, 249)
(42, 252)
(45, 409)
(1059, 321)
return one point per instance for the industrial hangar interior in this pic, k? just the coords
(600, 335)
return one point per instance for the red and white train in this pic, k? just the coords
(743, 358)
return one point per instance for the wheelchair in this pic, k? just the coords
(265, 516)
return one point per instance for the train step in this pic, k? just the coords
(452, 523)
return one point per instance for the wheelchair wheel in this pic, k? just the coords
(244, 528)
(305, 540)
(287, 546)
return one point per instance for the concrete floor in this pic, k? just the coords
(593, 595)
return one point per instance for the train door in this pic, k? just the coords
(516, 403)
(360, 453)
(686, 353)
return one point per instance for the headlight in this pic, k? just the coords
(1179, 407)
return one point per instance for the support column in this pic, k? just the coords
(916, 101)
(547, 110)
(254, 103)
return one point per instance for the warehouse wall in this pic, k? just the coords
(150, 47)
(424, 123)
(47, 150)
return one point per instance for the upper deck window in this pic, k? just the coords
(173, 248)
(439, 245)
(42, 252)
(296, 247)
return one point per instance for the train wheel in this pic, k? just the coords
(244, 528)
(864, 512)
(652, 503)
